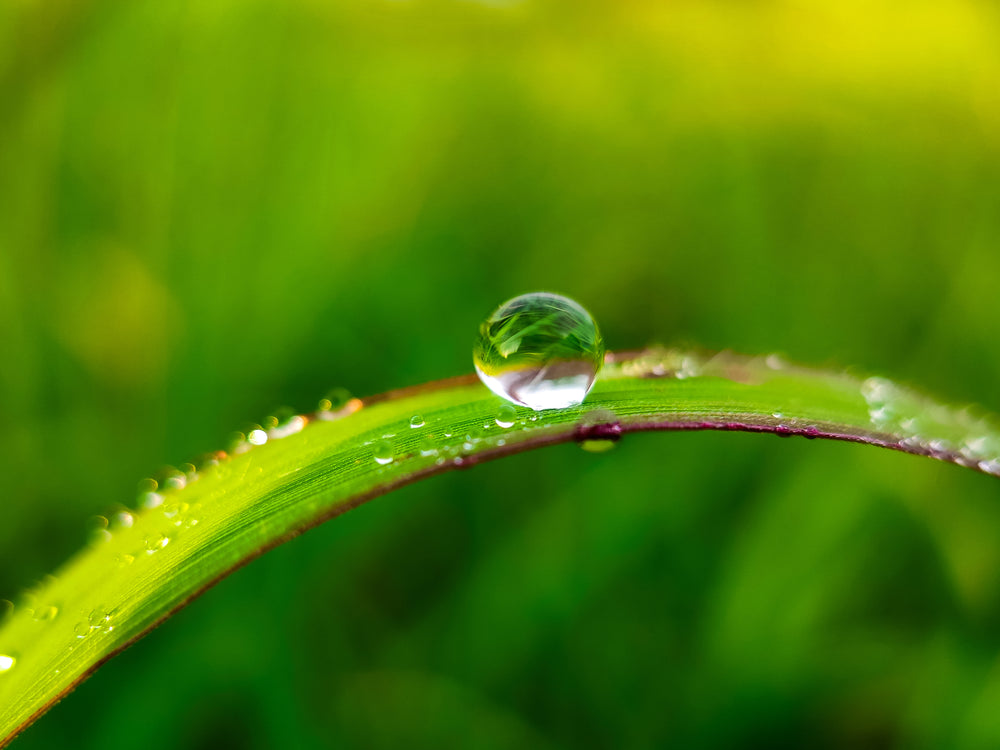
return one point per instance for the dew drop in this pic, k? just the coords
(175, 480)
(151, 500)
(81, 629)
(155, 542)
(47, 614)
(427, 447)
(539, 350)
(99, 529)
(7, 662)
(382, 452)
(335, 400)
(123, 519)
(257, 437)
(284, 422)
(173, 508)
(506, 416)
(416, 421)
(597, 446)
(237, 443)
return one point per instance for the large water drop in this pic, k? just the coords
(539, 350)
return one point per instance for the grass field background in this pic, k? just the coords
(211, 209)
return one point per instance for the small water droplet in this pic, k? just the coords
(382, 452)
(427, 447)
(598, 430)
(154, 542)
(416, 421)
(123, 519)
(100, 536)
(174, 480)
(257, 437)
(775, 362)
(123, 560)
(46, 614)
(539, 350)
(506, 416)
(7, 662)
(173, 508)
(151, 500)
(99, 532)
(81, 629)
(237, 443)
(597, 446)
(335, 400)
(284, 422)
(990, 467)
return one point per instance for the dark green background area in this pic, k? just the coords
(210, 209)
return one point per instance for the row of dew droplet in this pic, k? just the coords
(456, 444)
(922, 426)
(157, 506)
(444, 443)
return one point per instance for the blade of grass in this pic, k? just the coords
(309, 468)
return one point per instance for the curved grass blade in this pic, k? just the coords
(309, 468)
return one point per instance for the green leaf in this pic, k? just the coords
(151, 562)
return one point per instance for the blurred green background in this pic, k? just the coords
(215, 207)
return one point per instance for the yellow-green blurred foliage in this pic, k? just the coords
(209, 208)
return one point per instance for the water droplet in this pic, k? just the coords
(991, 466)
(416, 421)
(173, 508)
(775, 362)
(506, 416)
(257, 437)
(237, 443)
(123, 519)
(124, 560)
(335, 400)
(99, 529)
(539, 350)
(155, 542)
(382, 451)
(597, 446)
(81, 629)
(284, 422)
(598, 431)
(427, 447)
(174, 480)
(151, 500)
(7, 662)
(46, 614)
